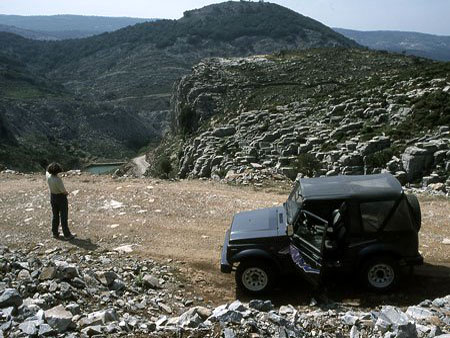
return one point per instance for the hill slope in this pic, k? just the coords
(134, 69)
(29, 34)
(425, 45)
(64, 26)
(320, 111)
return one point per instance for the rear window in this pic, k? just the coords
(373, 214)
(401, 219)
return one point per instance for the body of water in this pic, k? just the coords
(102, 169)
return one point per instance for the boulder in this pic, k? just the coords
(46, 330)
(416, 162)
(150, 282)
(224, 131)
(47, 273)
(30, 328)
(93, 330)
(10, 297)
(58, 318)
(390, 317)
(98, 318)
(374, 145)
(194, 317)
(418, 313)
(351, 160)
(261, 305)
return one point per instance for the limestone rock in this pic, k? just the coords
(58, 318)
(10, 297)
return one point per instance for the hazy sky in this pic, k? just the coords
(428, 16)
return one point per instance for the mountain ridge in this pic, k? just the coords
(67, 26)
(436, 47)
(134, 69)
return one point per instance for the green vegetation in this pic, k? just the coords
(430, 110)
(379, 159)
(307, 164)
(187, 119)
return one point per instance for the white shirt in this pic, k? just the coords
(55, 184)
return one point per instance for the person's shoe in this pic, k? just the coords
(68, 238)
(56, 236)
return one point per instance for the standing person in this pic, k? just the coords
(58, 199)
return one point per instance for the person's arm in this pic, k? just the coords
(61, 187)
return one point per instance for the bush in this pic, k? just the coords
(307, 164)
(163, 167)
(187, 119)
(379, 159)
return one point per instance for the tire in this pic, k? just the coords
(380, 274)
(255, 277)
(415, 210)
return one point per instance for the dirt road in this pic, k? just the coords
(141, 166)
(183, 222)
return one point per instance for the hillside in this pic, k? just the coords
(424, 45)
(59, 27)
(133, 69)
(29, 34)
(315, 112)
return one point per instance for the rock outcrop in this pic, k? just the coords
(264, 115)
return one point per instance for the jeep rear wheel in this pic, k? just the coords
(254, 277)
(380, 274)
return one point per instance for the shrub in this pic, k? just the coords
(187, 119)
(379, 159)
(163, 167)
(307, 164)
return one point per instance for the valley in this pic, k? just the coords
(126, 77)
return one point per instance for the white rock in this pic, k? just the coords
(58, 318)
(124, 249)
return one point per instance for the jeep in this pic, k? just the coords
(355, 224)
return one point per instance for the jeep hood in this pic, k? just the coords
(262, 223)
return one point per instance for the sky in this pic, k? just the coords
(426, 16)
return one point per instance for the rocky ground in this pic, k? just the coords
(352, 111)
(145, 263)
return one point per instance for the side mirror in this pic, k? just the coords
(290, 230)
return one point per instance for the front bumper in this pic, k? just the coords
(225, 266)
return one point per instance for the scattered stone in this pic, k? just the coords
(151, 282)
(261, 305)
(124, 249)
(10, 297)
(58, 318)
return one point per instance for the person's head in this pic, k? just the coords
(54, 168)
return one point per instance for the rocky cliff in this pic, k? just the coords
(320, 112)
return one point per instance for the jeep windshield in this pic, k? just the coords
(293, 204)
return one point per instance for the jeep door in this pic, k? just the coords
(307, 245)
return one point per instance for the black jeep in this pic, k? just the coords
(364, 224)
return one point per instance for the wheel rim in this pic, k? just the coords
(255, 279)
(381, 275)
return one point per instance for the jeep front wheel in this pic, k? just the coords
(254, 277)
(380, 274)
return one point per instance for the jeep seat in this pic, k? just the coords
(338, 230)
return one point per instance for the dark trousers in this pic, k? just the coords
(60, 209)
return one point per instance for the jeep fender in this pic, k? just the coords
(255, 254)
(377, 249)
